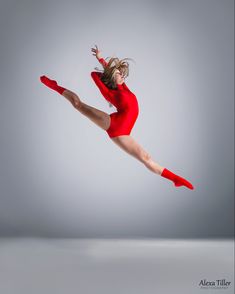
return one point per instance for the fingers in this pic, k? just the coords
(95, 49)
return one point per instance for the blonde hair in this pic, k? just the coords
(109, 71)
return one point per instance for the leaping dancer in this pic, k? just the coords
(118, 125)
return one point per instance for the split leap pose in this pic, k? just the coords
(119, 124)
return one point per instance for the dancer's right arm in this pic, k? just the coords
(102, 61)
(97, 53)
(102, 87)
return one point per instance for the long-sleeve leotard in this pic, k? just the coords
(124, 100)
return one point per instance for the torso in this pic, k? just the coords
(127, 112)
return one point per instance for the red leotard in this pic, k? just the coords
(124, 100)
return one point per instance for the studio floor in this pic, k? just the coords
(116, 266)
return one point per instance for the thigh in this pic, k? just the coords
(99, 117)
(128, 144)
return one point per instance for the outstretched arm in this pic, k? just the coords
(97, 75)
(97, 53)
(102, 61)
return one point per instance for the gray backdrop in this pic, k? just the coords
(61, 175)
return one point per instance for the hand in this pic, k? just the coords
(97, 52)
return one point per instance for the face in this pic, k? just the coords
(119, 77)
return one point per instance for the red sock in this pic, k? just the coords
(178, 181)
(52, 84)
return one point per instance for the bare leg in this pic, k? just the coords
(128, 144)
(100, 118)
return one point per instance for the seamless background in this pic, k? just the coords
(60, 175)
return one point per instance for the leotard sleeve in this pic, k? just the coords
(105, 91)
(103, 62)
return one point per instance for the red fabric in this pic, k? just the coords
(125, 102)
(52, 84)
(178, 181)
(103, 62)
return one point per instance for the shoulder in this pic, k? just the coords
(125, 86)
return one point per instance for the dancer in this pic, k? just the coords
(118, 125)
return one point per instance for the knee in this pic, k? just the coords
(77, 103)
